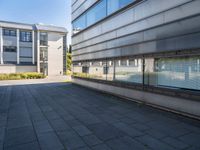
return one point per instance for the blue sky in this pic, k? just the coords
(55, 12)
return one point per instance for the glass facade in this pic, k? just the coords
(43, 39)
(44, 60)
(99, 11)
(9, 32)
(25, 36)
(129, 70)
(178, 72)
(114, 5)
(96, 13)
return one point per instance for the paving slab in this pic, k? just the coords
(49, 114)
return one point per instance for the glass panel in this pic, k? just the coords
(129, 70)
(9, 32)
(25, 36)
(123, 3)
(112, 6)
(173, 72)
(43, 39)
(96, 13)
(44, 54)
(79, 23)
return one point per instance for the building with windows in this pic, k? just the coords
(32, 48)
(145, 50)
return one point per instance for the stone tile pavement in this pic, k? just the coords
(63, 116)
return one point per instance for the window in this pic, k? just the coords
(43, 39)
(25, 36)
(44, 54)
(174, 72)
(129, 70)
(85, 69)
(96, 13)
(10, 49)
(99, 11)
(80, 23)
(9, 32)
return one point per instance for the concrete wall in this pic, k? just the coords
(16, 69)
(179, 105)
(147, 27)
(55, 54)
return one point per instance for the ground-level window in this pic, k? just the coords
(177, 72)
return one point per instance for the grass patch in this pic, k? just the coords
(20, 76)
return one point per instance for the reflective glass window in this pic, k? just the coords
(9, 32)
(25, 36)
(79, 23)
(96, 13)
(129, 70)
(175, 72)
(43, 39)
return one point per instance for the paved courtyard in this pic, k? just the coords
(64, 116)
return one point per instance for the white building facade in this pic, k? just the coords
(32, 48)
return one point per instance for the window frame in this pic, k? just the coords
(9, 32)
(27, 36)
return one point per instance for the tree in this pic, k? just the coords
(69, 61)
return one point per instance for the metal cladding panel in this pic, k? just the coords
(76, 4)
(154, 30)
(25, 44)
(81, 6)
(10, 56)
(176, 43)
(125, 17)
(166, 31)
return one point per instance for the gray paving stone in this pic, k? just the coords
(27, 146)
(105, 131)
(156, 134)
(101, 147)
(82, 130)
(73, 122)
(2, 133)
(38, 116)
(153, 143)
(139, 126)
(128, 129)
(49, 141)
(192, 139)
(52, 115)
(67, 116)
(125, 143)
(84, 148)
(42, 127)
(91, 140)
(71, 139)
(18, 136)
(175, 143)
(59, 125)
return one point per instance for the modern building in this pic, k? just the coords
(144, 50)
(32, 48)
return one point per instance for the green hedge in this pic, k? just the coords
(19, 76)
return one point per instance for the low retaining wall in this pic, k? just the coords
(182, 106)
(17, 69)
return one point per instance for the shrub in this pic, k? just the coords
(19, 76)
